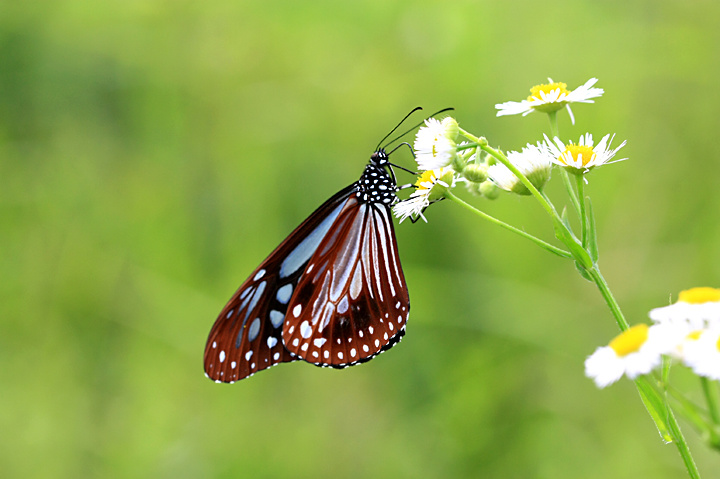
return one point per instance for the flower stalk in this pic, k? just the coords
(693, 339)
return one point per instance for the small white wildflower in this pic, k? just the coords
(551, 97)
(634, 352)
(581, 158)
(701, 353)
(696, 308)
(435, 145)
(430, 187)
(535, 162)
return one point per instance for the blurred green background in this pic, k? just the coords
(152, 153)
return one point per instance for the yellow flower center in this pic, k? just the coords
(695, 335)
(427, 177)
(581, 155)
(631, 340)
(535, 91)
(700, 295)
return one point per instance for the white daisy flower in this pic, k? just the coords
(701, 353)
(551, 97)
(435, 145)
(696, 308)
(581, 158)
(636, 351)
(535, 162)
(430, 187)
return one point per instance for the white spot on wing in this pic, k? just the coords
(271, 342)
(305, 330)
(256, 297)
(254, 329)
(222, 356)
(248, 355)
(285, 293)
(276, 318)
(343, 305)
(297, 310)
(319, 342)
(259, 275)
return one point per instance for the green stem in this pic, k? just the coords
(711, 397)
(583, 214)
(553, 249)
(555, 132)
(562, 232)
(682, 446)
(602, 285)
(503, 159)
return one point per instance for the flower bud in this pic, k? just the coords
(489, 190)
(452, 129)
(475, 173)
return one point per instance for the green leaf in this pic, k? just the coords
(566, 236)
(656, 407)
(583, 272)
(565, 219)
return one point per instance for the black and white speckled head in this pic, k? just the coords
(377, 185)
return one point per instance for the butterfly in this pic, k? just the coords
(333, 293)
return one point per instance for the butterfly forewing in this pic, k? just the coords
(351, 302)
(247, 335)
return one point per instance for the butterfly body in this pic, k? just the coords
(332, 293)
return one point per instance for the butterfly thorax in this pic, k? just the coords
(377, 185)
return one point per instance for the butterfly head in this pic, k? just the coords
(380, 158)
(377, 185)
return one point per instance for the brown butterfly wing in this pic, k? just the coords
(351, 302)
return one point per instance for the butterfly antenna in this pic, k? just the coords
(405, 143)
(411, 129)
(404, 169)
(398, 126)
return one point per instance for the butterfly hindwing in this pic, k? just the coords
(247, 335)
(351, 302)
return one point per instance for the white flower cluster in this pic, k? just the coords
(687, 331)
